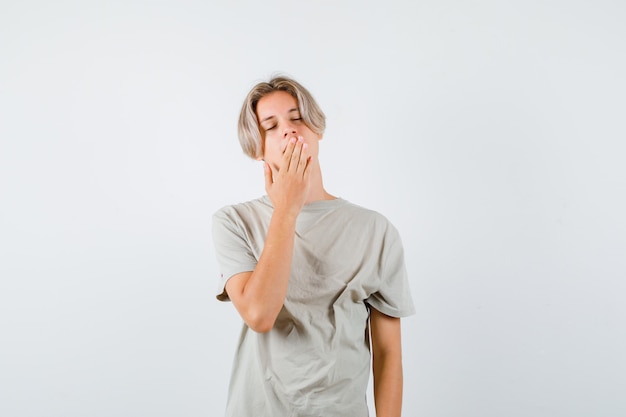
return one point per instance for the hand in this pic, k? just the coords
(289, 188)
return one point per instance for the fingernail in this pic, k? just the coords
(300, 138)
(292, 140)
(304, 146)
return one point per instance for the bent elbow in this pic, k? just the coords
(261, 327)
(261, 324)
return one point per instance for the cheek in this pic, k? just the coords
(274, 147)
(277, 145)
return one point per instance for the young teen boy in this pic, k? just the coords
(313, 276)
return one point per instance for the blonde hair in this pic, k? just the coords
(248, 126)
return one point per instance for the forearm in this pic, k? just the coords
(387, 369)
(259, 295)
(263, 294)
(386, 364)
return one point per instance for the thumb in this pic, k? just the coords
(268, 175)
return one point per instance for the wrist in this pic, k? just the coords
(286, 215)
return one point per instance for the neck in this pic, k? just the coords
(317, 191)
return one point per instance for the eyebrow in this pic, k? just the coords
(271, 117)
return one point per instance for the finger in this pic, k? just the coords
(295, 156)
(307, 168)
(267, 171)
(287, 154)
(304, 158)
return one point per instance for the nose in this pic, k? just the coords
(289, 130)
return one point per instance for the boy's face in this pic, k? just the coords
(279, 120)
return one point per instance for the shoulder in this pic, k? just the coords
(239, 211)
(368, 216)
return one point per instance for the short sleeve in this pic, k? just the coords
(393, 296)
(232, 249)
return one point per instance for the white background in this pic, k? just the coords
(491, 133)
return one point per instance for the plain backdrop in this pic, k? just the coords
(491, 133)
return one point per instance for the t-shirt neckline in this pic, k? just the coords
(313, 206)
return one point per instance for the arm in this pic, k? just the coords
(386, 364)
(258, 296)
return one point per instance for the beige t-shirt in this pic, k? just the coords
(316, 359)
